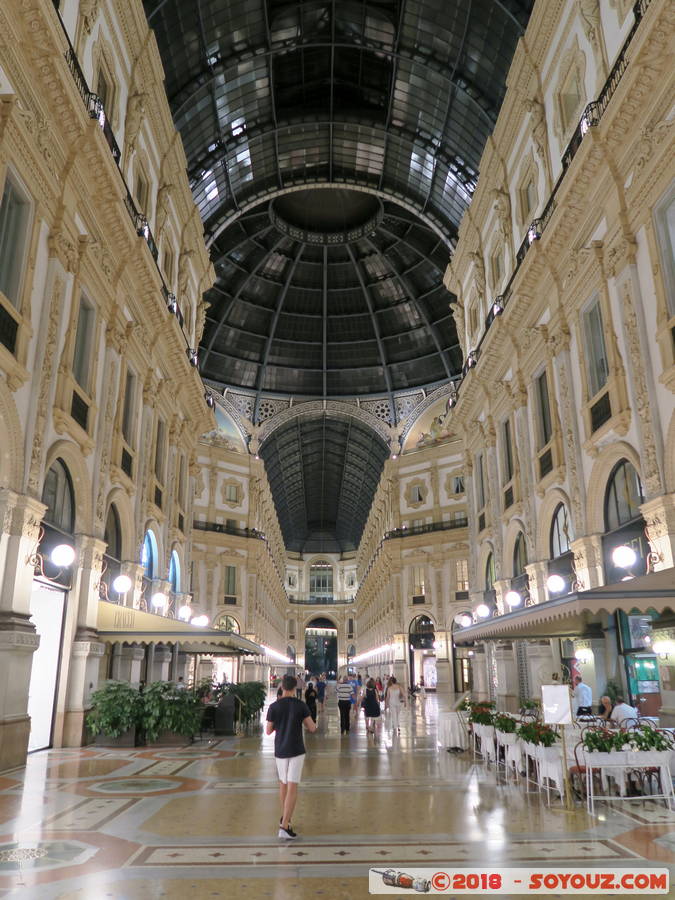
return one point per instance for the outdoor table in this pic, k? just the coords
(453, 730)
(512, 750)
(618, 763)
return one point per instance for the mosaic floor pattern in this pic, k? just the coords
(95, 824)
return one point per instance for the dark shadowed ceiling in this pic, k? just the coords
(333, 291)
(323, 473)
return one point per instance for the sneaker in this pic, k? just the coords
(287, 834)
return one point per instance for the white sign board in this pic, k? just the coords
(555, 702)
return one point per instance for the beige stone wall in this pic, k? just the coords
(75, 238)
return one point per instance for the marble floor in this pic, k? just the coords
(201, 821)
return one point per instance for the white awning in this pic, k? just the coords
(569, 616)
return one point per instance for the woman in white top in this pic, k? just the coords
(394, 699)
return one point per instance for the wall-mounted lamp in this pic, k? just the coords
(121, 584)
(513, 598)
(472, 359)
(159, 600)
(452, 399)
(498, 306)
(62, 556)
(172, 303)
(483, 611)
(192, 356)
(555, 584)
(210, 402)
(584, 655)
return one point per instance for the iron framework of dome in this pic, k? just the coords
(395, 97)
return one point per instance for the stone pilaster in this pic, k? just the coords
(507, 677)
(659, 515)
(83, 679)
(537, 573)
(588, 561)
(20, 516)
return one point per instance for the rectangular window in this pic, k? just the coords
(480, 482)
(231, 580)
(462, 574)
(416, 494)
(664, 215)
(105, 93)
(529, 197)
(458, 484)
(84, 337)
(232, 493)
(141, 191)
(159, 451)
(14, 216)
(507, 452)
(129, 407)
(544, 405)
(181, 482)
(418, 581)
(417, 524)
(597, 367)
(231, 523)
(473, 319)
(167, 265)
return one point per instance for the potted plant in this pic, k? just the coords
(537, 734)
(250, 699)
(169, 715)
(115, 714)
(505, 723)
(482, 713)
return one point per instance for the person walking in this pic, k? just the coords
(310, 699)
(371, 705)
(345, 694)
(287, 717)
(321, 691)
(300, 681)
(394, 699)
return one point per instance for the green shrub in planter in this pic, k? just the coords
(505, 723)
(536, 733)
(115, 709)
(168, 708)
(482, 714)
(251, 695)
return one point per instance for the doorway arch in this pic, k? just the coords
(321, 646)
(421, 638)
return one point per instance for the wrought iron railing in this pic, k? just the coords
(321, 601)
(95, 110)
(223, 528)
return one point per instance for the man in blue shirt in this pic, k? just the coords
(286, 717)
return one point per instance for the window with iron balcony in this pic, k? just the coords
(75, 411)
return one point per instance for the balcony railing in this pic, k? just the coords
(321, 601)
(426, 529)
(590, 118)
(223, 528)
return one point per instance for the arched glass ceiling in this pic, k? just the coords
(323, 473)
(362, 316)
(395, 95)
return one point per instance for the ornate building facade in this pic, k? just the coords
(563, 278)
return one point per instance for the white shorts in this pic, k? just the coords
(290, 769)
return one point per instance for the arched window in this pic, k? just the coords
(490, 572)
(174, 572)
(519, 555)
(58, 497)
(623, 496)
(149, 555)
(422, 633)
(561, 532)
(227, 623)
(321, 579)
(113, 535)
(351, 651)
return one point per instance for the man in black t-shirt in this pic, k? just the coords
(286, 718)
